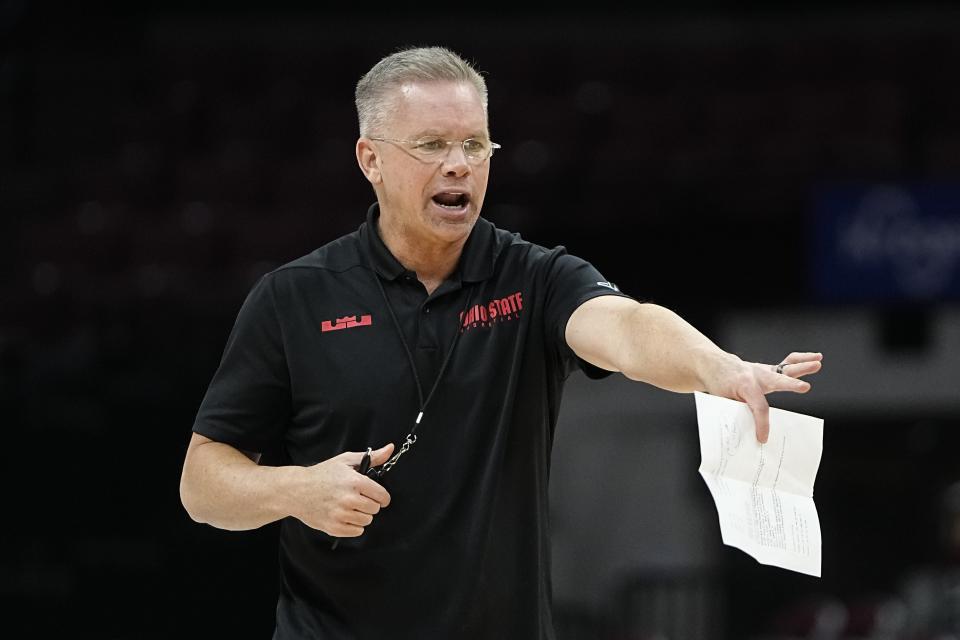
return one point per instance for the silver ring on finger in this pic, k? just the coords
(780, 368)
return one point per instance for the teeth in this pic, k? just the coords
(451, 199)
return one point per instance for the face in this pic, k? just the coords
(434, 202)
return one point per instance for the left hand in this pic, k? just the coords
(749, 382)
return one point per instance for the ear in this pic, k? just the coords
(369, 160)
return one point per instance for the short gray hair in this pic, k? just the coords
(424, 64)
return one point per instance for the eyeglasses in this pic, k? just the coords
(431, 149)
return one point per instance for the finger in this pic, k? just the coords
(381, 455)
(351, 458)
(346, 531)
(757, 403)
(365, 505)
(784, 381)
(357, 518)
(377, 457)
(374, 491)
(802, 369)
(797, 357)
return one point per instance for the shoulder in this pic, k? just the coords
(314, 274)
(328, 261)
(337, 256)
(511, 245)
(553, 265)
(515, 252)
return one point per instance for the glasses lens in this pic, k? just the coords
(430, 147)
(476, 150)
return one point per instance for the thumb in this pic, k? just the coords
(381, 455)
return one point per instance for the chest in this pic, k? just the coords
(368, 360)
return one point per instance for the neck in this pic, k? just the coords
(433, 262)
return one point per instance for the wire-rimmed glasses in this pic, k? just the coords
(433, 148)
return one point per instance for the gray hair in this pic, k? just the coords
(374, 95)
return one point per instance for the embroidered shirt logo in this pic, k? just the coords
(609, 285)
(495, 311)
(346, 322)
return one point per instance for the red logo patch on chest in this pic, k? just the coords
(495, 311)
(346, 322)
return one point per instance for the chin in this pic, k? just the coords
(452, 225)
(454, 232)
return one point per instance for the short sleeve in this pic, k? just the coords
(571, 281)
(247, 404)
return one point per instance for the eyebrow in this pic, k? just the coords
(436, 133)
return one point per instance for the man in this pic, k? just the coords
(430, 329)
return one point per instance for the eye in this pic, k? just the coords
(474, 146)
(430, 145)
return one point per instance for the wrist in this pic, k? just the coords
(284, 487)
(713, 366)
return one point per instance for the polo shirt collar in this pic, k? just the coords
(476, 261)
(372, 244)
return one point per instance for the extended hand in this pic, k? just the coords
(332, 497)
(749, 382)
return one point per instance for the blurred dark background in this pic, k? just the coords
(784, 179)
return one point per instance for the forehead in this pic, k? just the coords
(445, 108)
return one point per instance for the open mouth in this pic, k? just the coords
(451, 200)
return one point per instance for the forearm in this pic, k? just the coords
(652, 344)
(222, 487)
(659, 347)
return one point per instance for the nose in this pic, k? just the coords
(455, 163)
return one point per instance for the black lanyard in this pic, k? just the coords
(412, 436)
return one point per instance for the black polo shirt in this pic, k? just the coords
(316, 365)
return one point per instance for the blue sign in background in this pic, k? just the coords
(886, 243)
